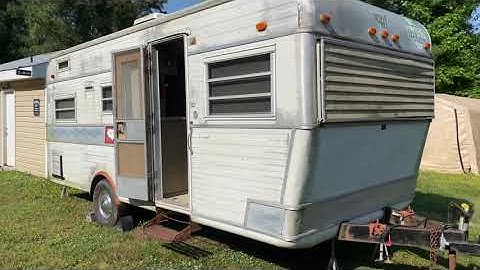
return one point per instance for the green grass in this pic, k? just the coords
(38, 229)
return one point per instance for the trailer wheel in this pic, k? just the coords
(104, 205)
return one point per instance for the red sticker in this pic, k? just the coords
(109, 135)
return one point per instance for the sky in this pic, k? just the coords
(174, 5)
(476, 20)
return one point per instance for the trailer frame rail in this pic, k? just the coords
(407, 229)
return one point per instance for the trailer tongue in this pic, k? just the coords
(406, 228)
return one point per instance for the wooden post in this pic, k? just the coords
(452, 259)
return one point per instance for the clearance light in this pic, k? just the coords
(372, 31)
(325, 18)
(395, 38)
(262, 26)
(427, 46)
(385, 34)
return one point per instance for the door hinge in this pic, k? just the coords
(151, 123)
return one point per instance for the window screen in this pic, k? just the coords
(65, 109)
(130, 103)
(63, 64)
(107, 99)
(240, 86)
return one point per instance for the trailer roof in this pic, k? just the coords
(178, 14)
(350, 28)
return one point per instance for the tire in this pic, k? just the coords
(104, 204)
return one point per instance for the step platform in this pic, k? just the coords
(168, 229)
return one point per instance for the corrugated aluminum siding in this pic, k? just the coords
(365, 83)
(232, 166)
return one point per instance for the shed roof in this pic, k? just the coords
(28, 61)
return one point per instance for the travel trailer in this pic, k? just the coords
(273, 119)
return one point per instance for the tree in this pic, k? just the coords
(32, 27)
(9, 27)
(456, 47)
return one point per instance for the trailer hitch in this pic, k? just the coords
(406, 228)
(460, 213)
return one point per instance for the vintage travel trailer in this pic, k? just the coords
(273, 119)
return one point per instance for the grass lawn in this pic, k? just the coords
(38, 229)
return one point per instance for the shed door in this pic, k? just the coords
(10, 129)
(131, 167)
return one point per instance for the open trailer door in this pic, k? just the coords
(130, 142)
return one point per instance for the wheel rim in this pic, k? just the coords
(106, 205)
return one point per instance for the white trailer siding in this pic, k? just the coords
(237, 17)
(287, 97)
(88, 101)
(80, 142)
(231, 166)
(81, 162)
(93, 66)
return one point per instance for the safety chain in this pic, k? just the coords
(435, 233)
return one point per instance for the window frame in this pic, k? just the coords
(61, 61)
(72, 120)
(270, 50)
(102, 87)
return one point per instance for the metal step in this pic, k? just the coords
(167, 229)
(159, 233)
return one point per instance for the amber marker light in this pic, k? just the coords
(372, 31)
(262, 26)
(427, 46)
(395, 38)
(384, 34)
(325, 18)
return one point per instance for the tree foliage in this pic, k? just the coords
(9, 27)
(29, 27)
(456, 47)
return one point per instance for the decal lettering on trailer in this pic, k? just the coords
(381, 20)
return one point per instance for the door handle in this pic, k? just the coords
(189, 139)
(120, 127)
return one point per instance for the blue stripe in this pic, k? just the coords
(91, 135)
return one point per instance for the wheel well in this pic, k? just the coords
(95, 181)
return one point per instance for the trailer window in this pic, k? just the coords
(107, 99)
(65, 109)
(241, 86)
(129, 91)
(63, 65)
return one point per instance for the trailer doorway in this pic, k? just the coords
(170, 114)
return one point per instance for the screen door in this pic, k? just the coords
(132, 181)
